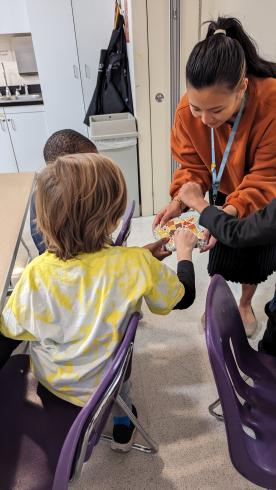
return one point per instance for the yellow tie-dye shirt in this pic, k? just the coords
(75, 312)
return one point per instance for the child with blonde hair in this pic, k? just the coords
(73, 303)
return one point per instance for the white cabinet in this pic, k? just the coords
(67, 37)
(7, 158)
(23, 135)
(93, 26)
(13, 17)
(55, 47)
(28, 134)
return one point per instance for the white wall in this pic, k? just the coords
(258, 19)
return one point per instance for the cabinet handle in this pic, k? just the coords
(76, 71)
(87, 71)
(3, 126)
(13, 124)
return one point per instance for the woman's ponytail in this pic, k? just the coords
(224, 57)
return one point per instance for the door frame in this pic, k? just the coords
(152, 66)
(139, 33)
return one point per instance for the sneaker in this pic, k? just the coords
(123, 435)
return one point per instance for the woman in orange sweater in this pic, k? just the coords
(224, 138)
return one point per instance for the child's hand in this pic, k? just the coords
(209, 240)
(158, 249)
(184, 241)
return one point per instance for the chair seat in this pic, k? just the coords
(34, 425)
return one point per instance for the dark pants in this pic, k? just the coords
(7, 346)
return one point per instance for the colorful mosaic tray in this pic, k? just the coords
(186, 220)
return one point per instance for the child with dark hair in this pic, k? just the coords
(60, 143)
(224, 139)
(66, 142)
(73, 302)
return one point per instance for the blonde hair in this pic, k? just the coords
(79, 200)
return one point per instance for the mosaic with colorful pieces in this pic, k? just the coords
(186, 220)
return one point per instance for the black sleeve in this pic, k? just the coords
(186, 275)
(257, 229)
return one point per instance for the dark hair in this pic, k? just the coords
(66, 142)
(79, 201)
(224, 59)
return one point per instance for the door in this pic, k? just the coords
(93, 26)
(7, 158)
(55, 47)
(257, 20)
(28, 134)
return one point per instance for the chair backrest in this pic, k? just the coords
(88, 425)
(229, 350)
(36, 235)
(124, 232)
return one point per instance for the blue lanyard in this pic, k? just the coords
(216, 178)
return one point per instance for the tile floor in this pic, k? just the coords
(172, 387)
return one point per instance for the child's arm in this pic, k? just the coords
(166, 289)
(185, 242)
(158, 249)
(257, 229)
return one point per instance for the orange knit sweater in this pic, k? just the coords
(249, 178)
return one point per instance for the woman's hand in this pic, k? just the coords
(172, 210)
(191, 195)
(185, 241)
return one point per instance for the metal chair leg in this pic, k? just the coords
(153, 446)
(211, 409)
(216, 403)
(27, 249)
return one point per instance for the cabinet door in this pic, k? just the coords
(7, 158)
(94, 23)
(13, 17)
(55, 49)
(28, 134)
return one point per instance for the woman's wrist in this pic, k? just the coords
(229, 209)
(179, 201)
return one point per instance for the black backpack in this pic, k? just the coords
(113, 90)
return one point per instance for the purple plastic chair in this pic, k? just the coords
(125, 229)
(46, 439)
(249, 410)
